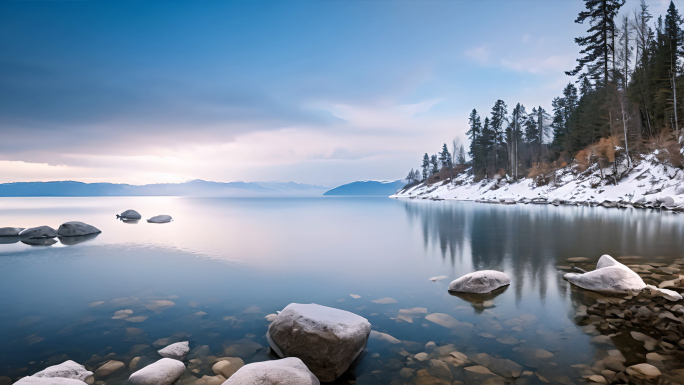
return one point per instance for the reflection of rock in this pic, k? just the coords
(39, 241)
(70, 241)
(74, 229)
(160, 219)
(10, 231)
(480, 301)
(163, 372)
(328, 340)
(287, 371)
(129, 214)
(7, 240)
(484, 281)
(38, 232)
(176, 351)
(610, 276)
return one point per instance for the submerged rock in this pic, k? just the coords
(10, 231)
(129, 214)
(287, 371)
(163, 372)
(610, 276)
(75, 229)
(160, 219)
(483, 281)
(176, 351)
(327, 340)
(227, 366)
(38, 232)
(108, 368)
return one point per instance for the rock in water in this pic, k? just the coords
(328, 340)
(160, 219)
(75, 229)
(66, 373)
(39, 232)
(287, 371)
(163, 372)
(176, 351)
(481, 282)
(10, 231)
(67, 369)
(130, 214)
(610, 276)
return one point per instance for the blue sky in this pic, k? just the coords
(321, 92)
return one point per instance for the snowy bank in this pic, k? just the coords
(649, 184)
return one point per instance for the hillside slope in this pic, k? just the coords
(649, 183)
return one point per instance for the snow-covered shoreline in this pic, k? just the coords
(648, 184)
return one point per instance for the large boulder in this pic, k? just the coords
(39, 232)
(160, 219)
(480, 282)
(130, 214)
(610, 276)
(287, 371)
(66, 373)
(328, 340)
(10, 231)
(176, 351)
(667, 201)
(76, 229)
(163, 372)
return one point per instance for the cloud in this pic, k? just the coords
(552, 64)
(480, 54)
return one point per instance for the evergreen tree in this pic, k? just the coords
(435, 164)
(496, 124)
(475, 136)
(598, 45)
(487, 145)
(446, 160)
(426, 166)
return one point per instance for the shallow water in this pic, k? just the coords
(226, 263)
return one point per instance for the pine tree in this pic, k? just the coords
(426, 166)
(435, 164)
(475, 136)
(598, 45)
(446, 160)
(487, 145)
(496, 124)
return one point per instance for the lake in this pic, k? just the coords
(213, 275)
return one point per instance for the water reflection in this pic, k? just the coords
(480, 301)
(70, 241)
(39, 241)
(9, 240)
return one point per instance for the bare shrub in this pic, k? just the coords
(540, 173)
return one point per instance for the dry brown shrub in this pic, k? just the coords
(541, 173)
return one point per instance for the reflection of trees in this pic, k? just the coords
(529, 241)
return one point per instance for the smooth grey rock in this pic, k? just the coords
(10, 231)
(67, 369)
(163, 372)
(160, 219)
(287, 371)
(667, 201)
(481, 282)
(610, 276)
(76, 229)
(176, 351)
(108, 368)
(327, 340)
(130, 214)
(39, 232)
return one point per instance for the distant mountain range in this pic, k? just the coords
(370, 187)
(192, 188)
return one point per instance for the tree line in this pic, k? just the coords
(626, 89)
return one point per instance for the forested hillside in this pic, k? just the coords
(621, 105)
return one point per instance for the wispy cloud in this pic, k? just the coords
(480, 55)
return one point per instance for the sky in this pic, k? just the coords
(321, 92)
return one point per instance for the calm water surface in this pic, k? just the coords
(226, 263)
